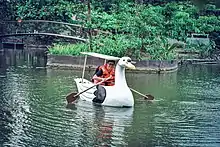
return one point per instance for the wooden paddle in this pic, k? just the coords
(73, 96)
(147, 96)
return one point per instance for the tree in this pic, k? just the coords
(202, 3)
(56, 10)
(7, 9)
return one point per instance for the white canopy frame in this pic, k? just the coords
(102, 56)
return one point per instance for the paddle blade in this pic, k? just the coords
(71, 106)
(71, 97)
(149, 97)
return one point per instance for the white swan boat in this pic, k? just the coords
(118, 95)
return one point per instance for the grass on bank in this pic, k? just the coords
(120, 45)
(158, 48)
(68, 49)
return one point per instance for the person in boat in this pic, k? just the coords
(105, 71)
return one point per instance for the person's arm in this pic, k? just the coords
(98, 75)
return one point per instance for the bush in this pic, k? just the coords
(68, 49)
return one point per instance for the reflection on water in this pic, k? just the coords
(22, 58)
(186, 110)
(101, 126)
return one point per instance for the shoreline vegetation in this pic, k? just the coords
(143, 30)
(148, 32)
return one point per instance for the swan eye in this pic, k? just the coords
(123, 59)
(129, 60)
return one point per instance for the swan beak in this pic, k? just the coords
(130, 66)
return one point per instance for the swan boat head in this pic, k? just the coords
(118, 95)
(126, 62)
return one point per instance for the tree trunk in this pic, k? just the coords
(89, 21)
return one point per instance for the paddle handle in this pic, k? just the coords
(138, 92)
(92, 87)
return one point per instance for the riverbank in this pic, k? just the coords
(76, 62)
(35, 58)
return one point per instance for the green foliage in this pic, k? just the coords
(162, 49)
(205, 49)
(202, 3)
(143, 29)
(207, 24)
(61, 10)
(104, 21)
(115, 45)
(68, 49)
(137, 29)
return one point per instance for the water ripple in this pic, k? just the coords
(33, 112)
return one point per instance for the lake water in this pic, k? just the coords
(33, 109)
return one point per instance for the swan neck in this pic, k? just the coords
(120, 76)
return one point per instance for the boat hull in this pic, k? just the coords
(105, 95)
